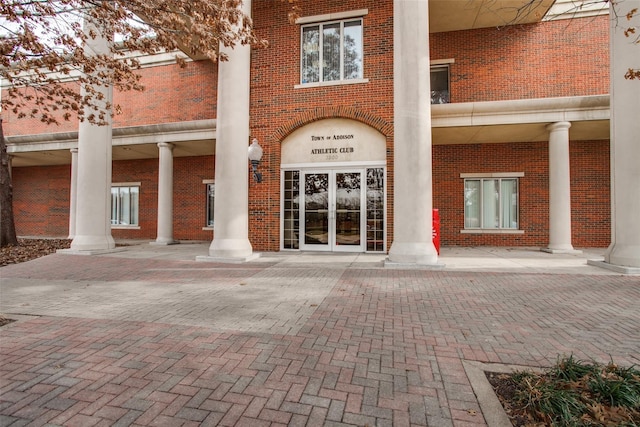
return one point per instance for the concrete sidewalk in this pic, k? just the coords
(148, 336)
(478, 259)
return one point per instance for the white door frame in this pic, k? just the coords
(331, 238)
(330, 168)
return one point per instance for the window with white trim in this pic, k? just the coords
(124, 204)
(491, 203)
(331, 51)
(211, 198)
(440, 84)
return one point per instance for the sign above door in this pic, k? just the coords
(334, 140)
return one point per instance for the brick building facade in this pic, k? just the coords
(505, 84)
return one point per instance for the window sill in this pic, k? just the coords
(125, 227)
(491, 231)
(207, 228)
(331, 83)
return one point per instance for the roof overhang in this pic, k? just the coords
(454, 15)
(194, 138)
(523, 120)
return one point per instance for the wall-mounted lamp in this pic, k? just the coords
(255, 154)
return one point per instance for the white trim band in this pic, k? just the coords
(332, 16)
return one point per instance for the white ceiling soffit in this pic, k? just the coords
(523, 120)
(567, 9)
(454, 15)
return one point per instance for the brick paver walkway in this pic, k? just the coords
(117, 342)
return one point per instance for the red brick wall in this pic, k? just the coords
(190, 197)
(590, 195)
(172, 94)
(275, 104)
(41, 198)
(542, 60)
(549, 59)
(41, 195)
(532, 61)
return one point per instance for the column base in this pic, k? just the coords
(228, 250)
(228, 260)
(422, 254)
(408, 265)
(623, 255)
(561, 251)
(92, 243)
(614, 267)
(164, 242)
(88, 251)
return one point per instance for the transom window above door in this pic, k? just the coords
(331, 51)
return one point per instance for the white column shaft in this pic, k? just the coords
(559, 188)
(231, 211)
(412, 190)
(73, 193)
(93, 222)
(165, 194)
(625, 131)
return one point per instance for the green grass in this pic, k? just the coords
(575, 393)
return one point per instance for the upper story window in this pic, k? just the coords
(440, 84)
(331, 51)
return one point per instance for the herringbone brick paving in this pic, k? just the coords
(117, 341)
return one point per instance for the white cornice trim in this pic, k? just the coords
(146, 61)
(132, 135)
(542, 110)
(332, 16)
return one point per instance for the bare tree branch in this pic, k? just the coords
(44, 63)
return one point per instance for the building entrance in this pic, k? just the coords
(332, 212)
(339, 210)
(333, 190)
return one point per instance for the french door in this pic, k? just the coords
(332, 211)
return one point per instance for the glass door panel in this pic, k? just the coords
(348, 202)
(333, 211)
(316, 211)
(375, 209)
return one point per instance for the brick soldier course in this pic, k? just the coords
(142, 337)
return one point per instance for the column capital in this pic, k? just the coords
(558, 126)
(168, 145)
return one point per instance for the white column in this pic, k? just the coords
(165, 195)
(624, 250)
(412, 189)
(73, 196)
(231, 211)
(93, 216)
(559, 189)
